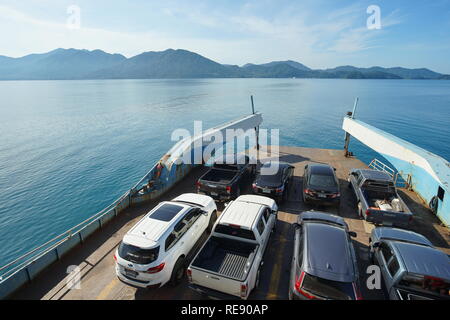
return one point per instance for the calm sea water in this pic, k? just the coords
(69, 148)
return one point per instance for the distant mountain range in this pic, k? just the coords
(65, 64)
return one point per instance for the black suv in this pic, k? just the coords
(324, 261)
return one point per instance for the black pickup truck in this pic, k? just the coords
(226, 179)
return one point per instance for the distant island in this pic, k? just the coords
(71, 64)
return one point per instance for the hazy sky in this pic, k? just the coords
(317, 33)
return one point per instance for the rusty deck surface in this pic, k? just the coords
(95, 257)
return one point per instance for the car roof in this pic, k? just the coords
(194, 198)
(319, 216)
(320, 168)
(147, 232)
(328, 253)
(244, 210)
(401, 234)
(423, 260)
(374, 174)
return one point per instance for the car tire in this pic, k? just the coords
(178, 272)
(258, 274)
(305, 201)
(212, 220)
(360, 214)
(238, 192)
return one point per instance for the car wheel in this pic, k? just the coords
(257, 279)
(238, 192)
(360, 214)
(305, 201)
(178, 272)
(212, 220)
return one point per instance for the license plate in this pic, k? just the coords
(131, 273)
(321, 195)
(267, 190)
(214, 194)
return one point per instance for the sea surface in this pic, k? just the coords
(70, 148)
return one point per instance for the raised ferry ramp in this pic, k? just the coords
(94, 257)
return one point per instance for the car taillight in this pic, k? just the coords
(367, 212)
(156, 269)
(254, 186)
(279, 190)
(244, 290)
(198, 184)
(298, 286)
(358, 295)
(228, 188)
(115, 258)
(189, 274)
(309, 191)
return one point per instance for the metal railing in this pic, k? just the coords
(396, 177)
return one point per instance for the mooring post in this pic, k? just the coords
(347, 135)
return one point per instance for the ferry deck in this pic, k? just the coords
(95, 256)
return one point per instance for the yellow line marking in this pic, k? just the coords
(107, 290)
(275, 276)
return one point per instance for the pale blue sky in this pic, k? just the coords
(318, 33)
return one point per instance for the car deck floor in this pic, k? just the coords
(95, 256)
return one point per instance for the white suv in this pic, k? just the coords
(156, 250)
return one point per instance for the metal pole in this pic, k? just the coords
(354, 107)
(253, 106)
(256, 128)
(347, 135)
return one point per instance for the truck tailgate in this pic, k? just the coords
(215, 282)
(390, 218)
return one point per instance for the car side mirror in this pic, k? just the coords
(296, 225)
(352, 234)
(226, 204)
(376, 245)
(204, 212)
(334, 169)
(274, 212)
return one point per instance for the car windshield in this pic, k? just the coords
(328, 289)
(322, 181)
(226, 166)
(166, 212)
(234, 231)
(137, 255)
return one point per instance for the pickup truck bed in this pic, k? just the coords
(383, 200)
(217, 257)
(219, 176)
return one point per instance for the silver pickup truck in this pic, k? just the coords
(228, 265)
(378, 200)
(412, 268)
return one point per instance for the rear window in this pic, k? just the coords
(137, 255)
(166, 212)
(328, 289)
(320, 180)
(426, 284)
(234, 231)
(274, 178)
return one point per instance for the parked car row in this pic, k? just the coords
(161, 247)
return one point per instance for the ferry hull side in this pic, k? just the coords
(425, 171)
